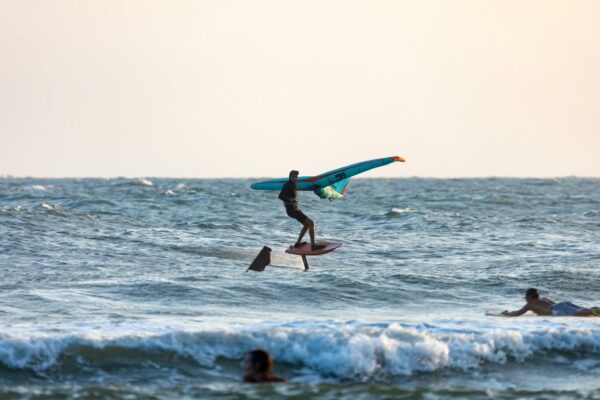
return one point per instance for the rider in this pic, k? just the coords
(543, 306)
(289, 196)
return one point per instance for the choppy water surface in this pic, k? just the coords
(137, 288)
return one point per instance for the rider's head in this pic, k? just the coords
(531, 294)
(293, 175)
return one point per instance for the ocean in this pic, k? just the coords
(137, 288)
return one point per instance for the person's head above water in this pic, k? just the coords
(258, 361)
(531, 294)
(293, 175)
(258, 366)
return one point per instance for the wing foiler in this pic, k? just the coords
(330, 185)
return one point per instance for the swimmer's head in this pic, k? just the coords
(532, 294)
(258, 361)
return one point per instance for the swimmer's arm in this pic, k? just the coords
(516, 313)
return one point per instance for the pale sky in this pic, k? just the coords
(256, 88)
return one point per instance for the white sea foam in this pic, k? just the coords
(398, 211)
(144, 182)
(38, 188)
(50, 207)
(341, 350)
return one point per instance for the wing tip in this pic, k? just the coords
(398, 158)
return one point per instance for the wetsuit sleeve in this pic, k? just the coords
(284, 193)
(288, 194)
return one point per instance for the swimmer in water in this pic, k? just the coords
(258, 366)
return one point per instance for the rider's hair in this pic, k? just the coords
(532, 292)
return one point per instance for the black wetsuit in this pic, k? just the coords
(289, 196)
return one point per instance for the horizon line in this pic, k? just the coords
(9, 176)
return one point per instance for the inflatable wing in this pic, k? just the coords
(330, 185)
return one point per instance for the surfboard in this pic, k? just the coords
(305, 249)
(495, 313)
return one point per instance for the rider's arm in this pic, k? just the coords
(516, 313)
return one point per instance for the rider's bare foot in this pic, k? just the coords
(299, 244)
(315, 246)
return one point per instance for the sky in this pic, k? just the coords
(255, 88)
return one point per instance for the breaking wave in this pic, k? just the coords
(347, 351)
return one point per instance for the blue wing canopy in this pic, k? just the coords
(340, 186)
(329, 185)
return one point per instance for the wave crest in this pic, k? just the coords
(348, 351)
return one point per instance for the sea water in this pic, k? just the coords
(137, 288)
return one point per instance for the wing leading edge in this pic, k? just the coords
(327, 184)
